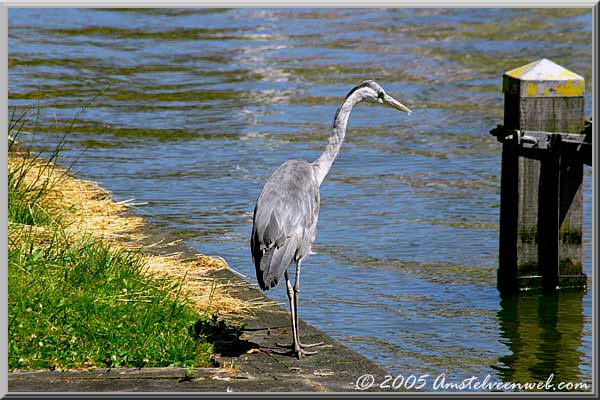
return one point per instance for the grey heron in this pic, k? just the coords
(286, 213)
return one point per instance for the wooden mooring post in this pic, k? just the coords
(544, 145)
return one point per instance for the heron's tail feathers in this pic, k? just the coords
(274, 262)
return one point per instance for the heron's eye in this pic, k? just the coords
(380, 95)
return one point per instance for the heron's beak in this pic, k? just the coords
(389, 100)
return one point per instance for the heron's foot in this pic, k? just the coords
(302, 346)
(310, 345)
(300, 353)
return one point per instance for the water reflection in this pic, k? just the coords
(544, 335)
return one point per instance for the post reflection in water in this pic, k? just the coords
(544, 335)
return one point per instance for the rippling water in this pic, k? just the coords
(190, 110)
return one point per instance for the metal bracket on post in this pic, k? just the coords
(541, 140)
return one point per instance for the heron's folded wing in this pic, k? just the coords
(285, 212)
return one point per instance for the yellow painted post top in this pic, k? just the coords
(542, 78)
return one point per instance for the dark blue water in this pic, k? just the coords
(190, 111)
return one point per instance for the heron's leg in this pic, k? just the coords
(290, 291)
(295, 313)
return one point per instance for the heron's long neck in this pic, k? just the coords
(323, 164)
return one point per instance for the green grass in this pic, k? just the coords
(76, 302)
(25, 198)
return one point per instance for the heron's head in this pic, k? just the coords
(372, 91)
